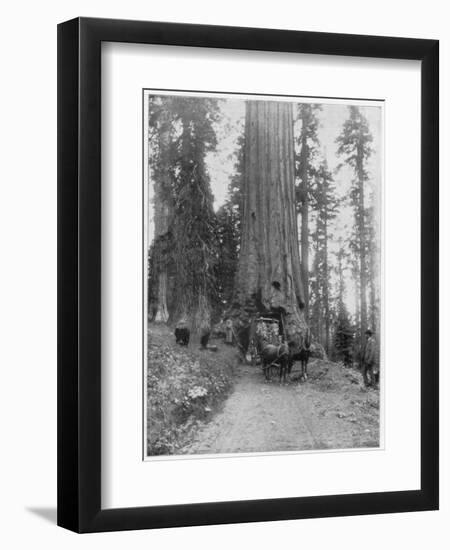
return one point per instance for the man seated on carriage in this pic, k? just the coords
(267, 331)
(271, 348)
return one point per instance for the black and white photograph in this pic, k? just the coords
(224, 282)
(263, 256)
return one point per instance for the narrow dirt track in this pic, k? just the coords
(331, 410)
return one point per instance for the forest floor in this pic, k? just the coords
(331, 410)
(186, 386)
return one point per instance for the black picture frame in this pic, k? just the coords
(79, 274)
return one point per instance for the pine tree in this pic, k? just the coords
(344, 337)
(307, 146)
(195, 224)
(344, 333)
(354, 146)
(229, 230)
(373, 254)
(325, 205)
(228, 243)
(181, 134)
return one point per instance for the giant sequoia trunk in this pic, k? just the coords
(163, 212)
(194, 226)
(269, 277)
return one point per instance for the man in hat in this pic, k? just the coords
(369, 361)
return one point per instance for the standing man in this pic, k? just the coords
(229, 332)
(369, 360)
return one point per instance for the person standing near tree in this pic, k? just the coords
(229, 332)
(369, 360)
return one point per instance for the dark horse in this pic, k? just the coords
(275, 356)
(301, 355)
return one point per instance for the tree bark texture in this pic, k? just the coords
(269, 275)
(162, 219)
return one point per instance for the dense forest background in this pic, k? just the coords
(212, 166)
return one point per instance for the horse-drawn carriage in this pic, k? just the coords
(267, 345)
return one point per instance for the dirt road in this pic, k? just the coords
(331, 410)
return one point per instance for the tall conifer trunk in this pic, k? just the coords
(362, 244)
(304, 214)
(372, 288)
(269, 276)
(194, 227)
(326, 295)
(354, 144)
(163, 212)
